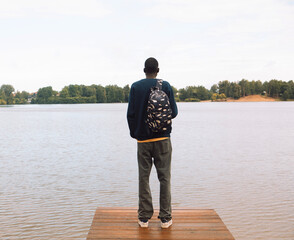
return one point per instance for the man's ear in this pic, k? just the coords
(157, 70)
(144, 70)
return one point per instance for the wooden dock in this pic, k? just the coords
(121, 223)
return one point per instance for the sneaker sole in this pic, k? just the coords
(167, 226)
(143, 226)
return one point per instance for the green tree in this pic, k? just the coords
(17, 94)
(244, 87)
(252, 89)
(100, 94)
(203, 93)
(214, 88)
(283, 87)
(6, 93)
(175, 90)
(285, 95)
(88, 91)
(235, 91)
(44, 94)
(222, 96)
(64, 93)
(274, 88)
(21, 97)
(214, 96)
(192, 92)
(183, 94)
(291, 89)
(126, 91)
(75, 90)
(265, 87)
(223, 87)
(258, 87)
(114, 94)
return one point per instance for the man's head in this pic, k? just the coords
(151, 66)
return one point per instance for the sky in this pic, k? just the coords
(61, 42)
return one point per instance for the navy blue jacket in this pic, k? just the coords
(137, 109)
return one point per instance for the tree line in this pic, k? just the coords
(114, 94)
(273, 88)
(82, 94)
(225, 89)
(8, 96)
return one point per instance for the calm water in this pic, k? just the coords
(59, 162)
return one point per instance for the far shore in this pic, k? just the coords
(251, 98)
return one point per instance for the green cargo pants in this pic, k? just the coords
(160, 153)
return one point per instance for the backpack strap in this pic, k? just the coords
(159, 84)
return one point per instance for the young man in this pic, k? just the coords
(154, 146)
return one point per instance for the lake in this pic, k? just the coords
(58, 163)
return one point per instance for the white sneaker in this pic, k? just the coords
(143, 224)
(166, 224)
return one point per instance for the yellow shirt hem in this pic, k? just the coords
(152, 140)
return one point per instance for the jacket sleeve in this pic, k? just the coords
(172, 101)
(131, 112)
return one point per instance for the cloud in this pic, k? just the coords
(254, 31)
(196, 42)
(250, 15)
(194, 11)
(24, 8)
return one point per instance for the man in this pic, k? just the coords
(151, 145)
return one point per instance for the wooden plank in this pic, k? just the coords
(121, 223)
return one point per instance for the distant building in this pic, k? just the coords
(32, 96)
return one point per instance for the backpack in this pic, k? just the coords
(159, 112)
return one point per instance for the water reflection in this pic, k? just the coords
(59, 162)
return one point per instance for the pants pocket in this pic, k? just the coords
(164, 146)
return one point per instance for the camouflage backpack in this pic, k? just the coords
(159, 113)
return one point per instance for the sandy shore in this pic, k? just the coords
(251, 98)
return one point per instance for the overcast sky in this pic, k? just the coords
(61, 42)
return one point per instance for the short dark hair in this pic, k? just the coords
(151, 66)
